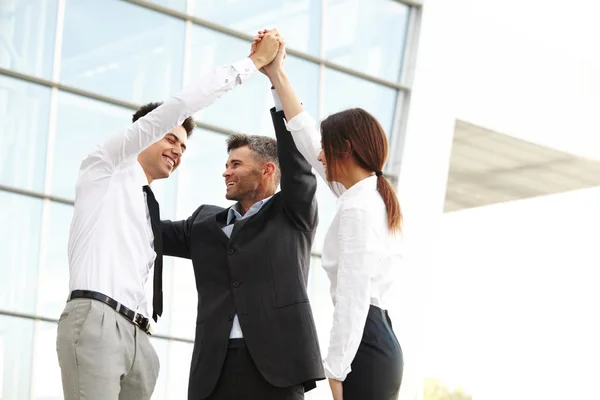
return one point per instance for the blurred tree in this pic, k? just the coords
(435, 390)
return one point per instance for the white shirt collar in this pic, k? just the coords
(367, 184)
(234, 210)
(141, 175)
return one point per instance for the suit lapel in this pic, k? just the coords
(259, 215)
(217, 223)
(239, 224)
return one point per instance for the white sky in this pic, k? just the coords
(515, 299)
(514, 307)
(531, 69)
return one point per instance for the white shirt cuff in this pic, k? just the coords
(299, 122)
(337, 376)
(245, 68)
(276, 100)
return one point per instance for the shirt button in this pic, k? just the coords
(235, 284)
(230, 251)
(226, 80)
(247, 69)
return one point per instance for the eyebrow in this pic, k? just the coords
(233, 161)
(174, 137)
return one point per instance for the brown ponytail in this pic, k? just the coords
(392, 205)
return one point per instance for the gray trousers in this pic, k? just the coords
(103, 356)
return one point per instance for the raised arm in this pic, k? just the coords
(127, 144)
(303, 130)
(298, 183)
(299, 123)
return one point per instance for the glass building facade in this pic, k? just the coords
(73, 71)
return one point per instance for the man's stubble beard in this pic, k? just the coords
(248, 189)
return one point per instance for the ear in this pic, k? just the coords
(348, 150)
(269, 169)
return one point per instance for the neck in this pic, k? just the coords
(246, 203)
(355, 175)
(149, 178)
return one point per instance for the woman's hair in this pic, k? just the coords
(356, 133)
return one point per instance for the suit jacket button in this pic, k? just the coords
(231, 317)
(235, 284)
(230, 251)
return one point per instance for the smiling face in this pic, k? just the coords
(163, 157)
(243, 175)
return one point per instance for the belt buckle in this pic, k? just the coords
(138, 320)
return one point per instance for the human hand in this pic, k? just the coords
(337, 389)
(281, 54)
(264, 50)
(257, 39)
(276, 66)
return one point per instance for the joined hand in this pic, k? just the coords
(276, 64)
(263, 51)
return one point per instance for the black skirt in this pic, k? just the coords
(377, 367)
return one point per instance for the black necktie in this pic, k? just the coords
(157, 303)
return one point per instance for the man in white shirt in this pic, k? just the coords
(115, 243)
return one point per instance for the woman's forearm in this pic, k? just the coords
(290, 103)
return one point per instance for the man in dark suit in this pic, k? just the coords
(255, 334)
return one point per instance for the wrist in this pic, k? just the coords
(259, 61)
(277, 78)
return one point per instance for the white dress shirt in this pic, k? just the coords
(111, 245)
(233, 213)
(359, 255)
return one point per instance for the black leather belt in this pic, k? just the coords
(137, 319)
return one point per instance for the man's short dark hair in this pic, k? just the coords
(264, 148)
(188, 124)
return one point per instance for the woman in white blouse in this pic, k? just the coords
(361, 250)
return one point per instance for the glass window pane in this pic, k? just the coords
(184, 299)
(53, 288)
(20, 232)
(46, 383)
(200, 173)
(342, 91)
(16, 336)
(320, 300)
(367, 35)
(28, 30)
(175, 359)
(24, 116)
(327, 203)
(81, 124)
(122, 50)
(179, 5)
(246, 108)
(299, 21)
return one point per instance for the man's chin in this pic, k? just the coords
(231, 196)
(161, 175)
(169, 172)
(165, 174)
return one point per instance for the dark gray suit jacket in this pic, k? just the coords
(260, 274)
